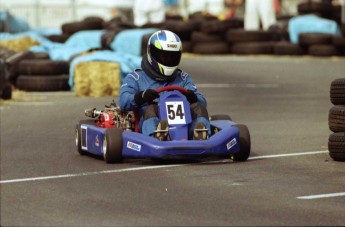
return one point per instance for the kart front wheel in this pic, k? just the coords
(112, 145)
(244, 139)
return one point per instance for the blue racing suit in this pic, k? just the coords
(138, 81)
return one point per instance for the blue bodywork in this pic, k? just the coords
(173, 107)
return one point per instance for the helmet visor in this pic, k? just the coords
(165, 57)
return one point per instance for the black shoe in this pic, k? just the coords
(200, 131)
(162, 132)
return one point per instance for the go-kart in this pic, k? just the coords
(114, 134)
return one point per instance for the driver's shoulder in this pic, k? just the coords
(182, 74)
(136, 74)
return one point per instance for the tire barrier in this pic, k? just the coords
(200, 34)
(336, 120)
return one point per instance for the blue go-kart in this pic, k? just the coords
(114, 134)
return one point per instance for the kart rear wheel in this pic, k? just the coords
(112, 145)
(220, 117)
(78, 135)
(245, 145)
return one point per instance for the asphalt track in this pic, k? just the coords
(289, 179)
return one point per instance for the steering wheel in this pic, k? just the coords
(172, 88)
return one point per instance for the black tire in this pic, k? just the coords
(220, 117)
(217, 26)
(6, 91)
(280, 30)
(211, 48)
(308, 39)
(182, 28)
(5, 85)
(337, 91)
(43, 67)
(187, 46)
(73, 27)
(13, 64)
(339, 41)
(43, 83)
(252, 48)
(287, 48)
(314, 7)
(245, 144)
(241, 35)
(336, 118)
(336, 146)
(58, 38)
(112, 145)
(201, 37)
(41, 55)
(323, 50)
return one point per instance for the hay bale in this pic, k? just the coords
(23, 43)
(97, 79)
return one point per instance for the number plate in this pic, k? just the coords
(175, 113)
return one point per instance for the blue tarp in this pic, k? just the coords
(311, 24)
(13, 24)
(78, 43)
(91, 39)
(127, 62)
(129, 41)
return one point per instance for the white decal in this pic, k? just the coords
(106, 116)
(133, 146)
(83, 137)
(175, 113)
(232, 143)
(97, 141)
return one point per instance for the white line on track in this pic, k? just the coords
(238, 85)
(322, 196)
(286, 155)
(144, 168)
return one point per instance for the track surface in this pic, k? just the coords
(288, 180)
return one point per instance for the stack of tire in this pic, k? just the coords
(250, 42)
(323, 9)
(336, 120)
(211, 37)
(42, 75)
(319, 44)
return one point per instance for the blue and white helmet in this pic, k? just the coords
(164, 51)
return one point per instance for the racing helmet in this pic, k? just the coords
(164, 51)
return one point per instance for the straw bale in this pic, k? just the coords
(23, 43)
(97, 79)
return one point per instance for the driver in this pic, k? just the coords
(159, 68)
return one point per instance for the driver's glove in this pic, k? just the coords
(191, 96)
(145, 96)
